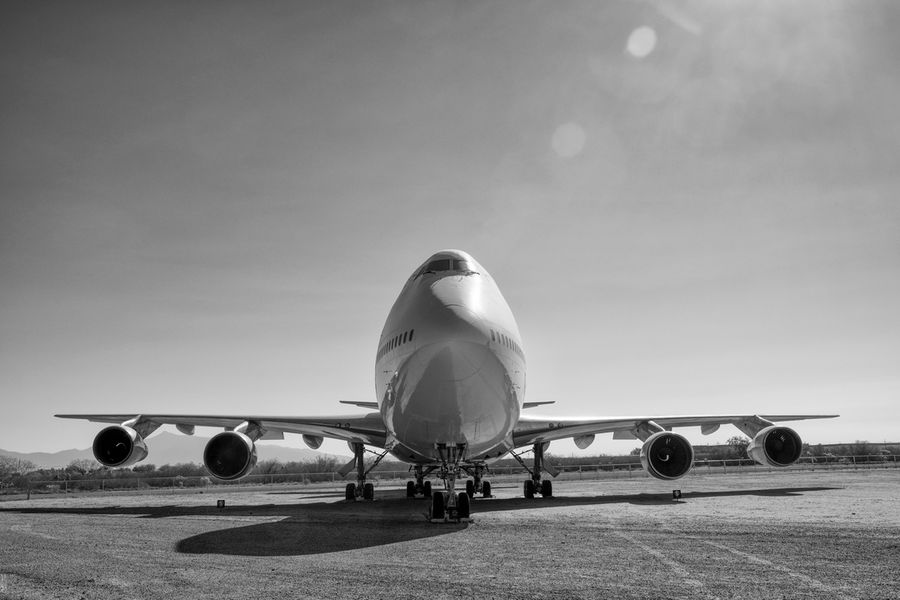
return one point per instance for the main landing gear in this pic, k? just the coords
(477, 485)
(537, 485)
(361, 489)
(419, 486)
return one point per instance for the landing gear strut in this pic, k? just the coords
(449, 505)
(419, 486)
(537, 485)
(477, 484)
(362, 488)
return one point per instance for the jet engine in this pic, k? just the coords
(229, 455)
(313, 441)
(667, 455)
(775, 446)
(119, 446)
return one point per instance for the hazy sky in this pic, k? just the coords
(210, 207)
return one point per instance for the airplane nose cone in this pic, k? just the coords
(454, 392)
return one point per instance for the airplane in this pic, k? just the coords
(449, 396)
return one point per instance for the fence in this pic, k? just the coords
(595, 471)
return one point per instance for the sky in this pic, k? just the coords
(691, 207)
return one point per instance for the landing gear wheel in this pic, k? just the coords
(546, 488)
(426, 489)
(470, 488)
(368, 491)
(410, 489)
(462, 506)
(437, 506)
(529, 488)
(486, 489)
(350, 492)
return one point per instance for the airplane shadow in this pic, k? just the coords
(637, 499)
(324, 527)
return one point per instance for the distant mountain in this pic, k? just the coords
(168, 449)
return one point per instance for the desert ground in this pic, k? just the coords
(818, 534)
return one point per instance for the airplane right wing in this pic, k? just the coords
(230, 454)
(363, 428)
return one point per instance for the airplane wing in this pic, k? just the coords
(365, 428)
(534, 430)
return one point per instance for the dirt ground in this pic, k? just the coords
(829, 534)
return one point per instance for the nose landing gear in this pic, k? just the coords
(449, 505)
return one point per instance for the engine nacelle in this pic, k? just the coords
(229, 455)
(667, 455)
(313, 441)
(775, 446)
(119, 446)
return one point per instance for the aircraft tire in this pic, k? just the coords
(426, 489)
(437, 506)
(470, 488)
(529, 488)
(350, 491)
(463, 507)
(485, 489)
(547, 488)
(369, 491)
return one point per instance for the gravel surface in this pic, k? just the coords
(832, 535)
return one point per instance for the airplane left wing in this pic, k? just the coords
(365, 428)
(535, 430)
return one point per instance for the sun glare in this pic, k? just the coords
(641, 42)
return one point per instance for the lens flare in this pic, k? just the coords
(568, 140)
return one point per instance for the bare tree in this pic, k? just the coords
(738, 446)
(11, 467)
(82, 466)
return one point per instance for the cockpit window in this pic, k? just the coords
(447, 264)
(442, 264)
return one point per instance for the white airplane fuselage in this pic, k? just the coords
(450, 369)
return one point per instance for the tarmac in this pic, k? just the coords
(795, 534)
